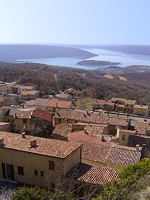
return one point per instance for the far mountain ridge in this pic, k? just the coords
(24, 51)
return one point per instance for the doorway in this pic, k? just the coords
(8, 171)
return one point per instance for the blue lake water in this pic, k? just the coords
(103, 55)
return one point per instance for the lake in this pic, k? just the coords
(104, 55)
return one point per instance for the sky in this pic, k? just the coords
(75, 21)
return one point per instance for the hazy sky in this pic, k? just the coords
(75, 21)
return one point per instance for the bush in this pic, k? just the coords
(31, 193)
(128, 183)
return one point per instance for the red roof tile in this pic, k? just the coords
(56, 103)
(104, 152)
(89, 174)
(41, 114)
(45, 146)
(93, 148)
(62, 129)
(141, 127)
(83, 116)
(122, 155)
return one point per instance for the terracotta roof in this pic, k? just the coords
(141, 107)
(23, 87)
(45, 146)
(141, 127)
(21, 113)
(122, 155)
(95, 129)
(124, 101)
(100, 102)
(93, 148)
(56, 103)
(96, 150)
(24, 113)
(104, 102)
(129, 101)
(63, 96)
(83, 116)
(41, 114)
(39, 102)
(62, 129)
(82, 137)
(95, 175)
(118, 99)
(32, 92)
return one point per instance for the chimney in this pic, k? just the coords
(33, 143)
(23, 135)
(103, 139)
(1, 142)
(137, 147)
(143, 151)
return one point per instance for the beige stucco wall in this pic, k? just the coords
(32, 162)
(73, 159)
(123, 142)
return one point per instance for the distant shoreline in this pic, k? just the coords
(97, 63)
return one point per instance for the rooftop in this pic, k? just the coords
(63, 96)
(21, 112)
(37, 102)
(95, 175)
(122, 155)
(95, 130)
(84, 116)
(96, 150)
(141, 127)
(141, 106)
(56, 103)
(32, 92)
(41, 114)
(23, 87)
(104, 102)
(62, 129)
(46, 147)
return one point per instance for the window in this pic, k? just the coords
(123, 137)
(24, 121)
(41, 173)
(36, 172)
(20, 171)
(51, 165)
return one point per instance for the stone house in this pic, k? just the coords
(45, 162)
(134, 138)
(53, 104)
(29, 120)
(104, 152)
(29, 95)
(63, 96)
(35, 160)
(37, 103)
(17, 89)
(141, 110)
(69, 116)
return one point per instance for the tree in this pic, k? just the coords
(37, 193)
(42, 128)
(128, 183)
(31, 193)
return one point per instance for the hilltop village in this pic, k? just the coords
(47, 138)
